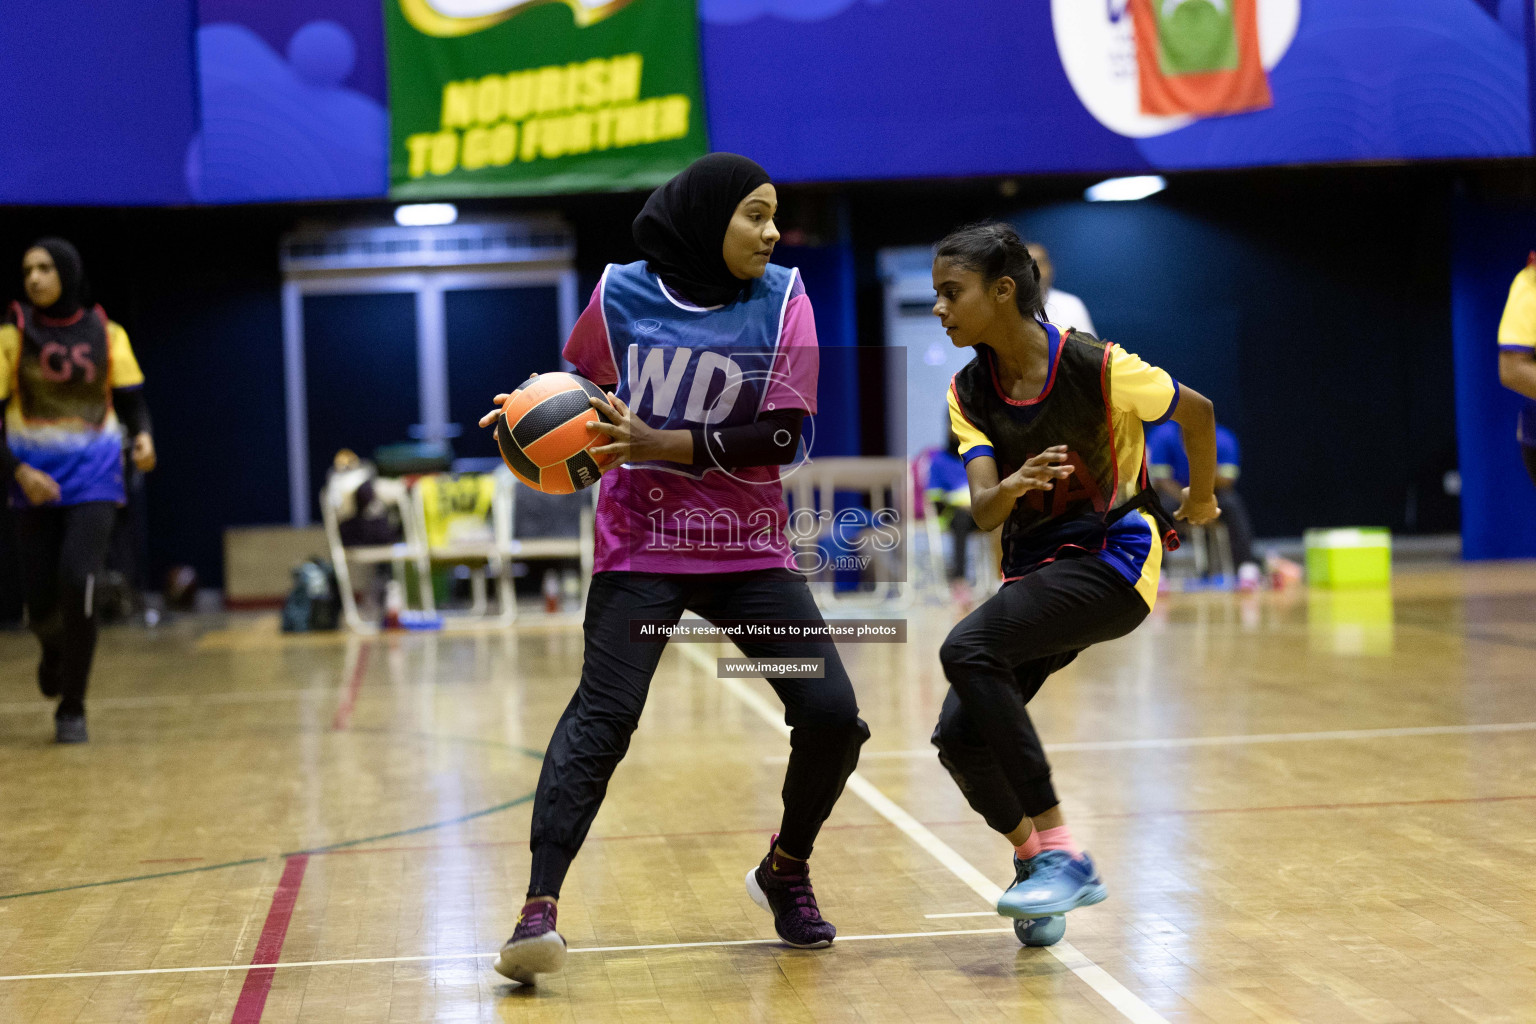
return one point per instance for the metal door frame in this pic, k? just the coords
(374, 261)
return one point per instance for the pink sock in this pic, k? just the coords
(1029, 847)
(1058, 838)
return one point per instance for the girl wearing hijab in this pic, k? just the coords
(70, 393)
(708, 356)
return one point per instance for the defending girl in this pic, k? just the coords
(1050, 427)
(708, 354)
(70, 395)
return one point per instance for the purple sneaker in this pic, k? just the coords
(535, 947)
(791, 902)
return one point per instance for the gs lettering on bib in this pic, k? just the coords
(63, 367)
(682, 366)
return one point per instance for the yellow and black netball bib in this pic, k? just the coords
(59, 418)
(62, 370)
(1073, 409)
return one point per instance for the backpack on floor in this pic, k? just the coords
(314, 603)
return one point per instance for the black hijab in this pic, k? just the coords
(682, 228)
(66, 258)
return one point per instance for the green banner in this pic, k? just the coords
(518, 97)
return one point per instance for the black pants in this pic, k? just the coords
(1528, 456)
(1234, 513)
(997, 658)
(961, 526)
(62, 550)
(593, 734)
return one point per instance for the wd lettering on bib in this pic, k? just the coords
(714, 384)
(719, 377)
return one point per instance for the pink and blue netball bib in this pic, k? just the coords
(682, 367)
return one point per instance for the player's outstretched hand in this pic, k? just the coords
(1039, 473)
(1199, 511)
(492, 416)
(631, 438)
(500, 401)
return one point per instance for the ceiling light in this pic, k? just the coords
(1116, 189)
(421, 215)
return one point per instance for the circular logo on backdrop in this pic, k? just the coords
(446, 18)
(1098, 47)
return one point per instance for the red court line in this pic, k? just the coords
(349, 699)
(253, 995)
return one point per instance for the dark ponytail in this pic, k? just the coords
(993, 249)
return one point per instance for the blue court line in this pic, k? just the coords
(134, 878)
(537, 755)
(525, 798)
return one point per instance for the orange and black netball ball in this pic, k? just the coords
(544, 433)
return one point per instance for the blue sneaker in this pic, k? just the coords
(1056, 883)
(1036, 931)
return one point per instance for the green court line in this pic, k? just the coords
(135, 878)
(537, 755)
(525, 798)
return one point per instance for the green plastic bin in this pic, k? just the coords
(1356, 557)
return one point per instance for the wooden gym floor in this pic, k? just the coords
(1307, 808)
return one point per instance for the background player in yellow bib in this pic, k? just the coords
(70, 394)
(1517, 357)
(1050, 427)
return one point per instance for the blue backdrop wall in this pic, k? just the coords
(1317, 327)
(98, 102)
(1498, 503)
(247, 101)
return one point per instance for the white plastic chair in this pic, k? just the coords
(885, 484)
(410, 550)
(545, 549)
(483, 550)
(933, 533)
(1212, 544)
(494, 554)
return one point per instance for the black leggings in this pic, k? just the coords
(961, 526)
(997, 659)
(593, 734)
(62, 550)
(1234, 515)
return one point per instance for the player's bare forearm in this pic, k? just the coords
(992, 500)
(990, 507)
(1196, 417)
(633, 440)
(1517, 371)
(666, 446)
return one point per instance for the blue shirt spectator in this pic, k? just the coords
(1166, 459)
(946, 473)
(1169, 469)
